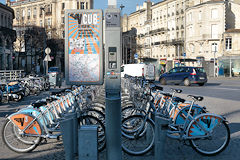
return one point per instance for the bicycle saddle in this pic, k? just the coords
(178, 99)
(67, 90)
(155, 87)
(39, 104)
(196, 98)
(167, 94)
(56, 93)
(176, 90)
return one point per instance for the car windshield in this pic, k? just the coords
(200, 70)
(53, 69)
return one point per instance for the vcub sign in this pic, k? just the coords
(83, 47)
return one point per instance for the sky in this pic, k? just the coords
(130, 5)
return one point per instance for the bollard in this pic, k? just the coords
(88, 142)
(73, 116)
(66, 127)
(161, 126)
(113, 128)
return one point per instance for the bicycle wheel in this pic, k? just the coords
(215, 141)
(131, 110)
(137, 135)
(18, 142)
(91, 120)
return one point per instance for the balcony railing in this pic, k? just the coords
(48, 13)
(210, 36)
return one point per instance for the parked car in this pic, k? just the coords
(185, 75)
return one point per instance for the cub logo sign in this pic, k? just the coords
(83, 47)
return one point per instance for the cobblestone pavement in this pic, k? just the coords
(174, 150)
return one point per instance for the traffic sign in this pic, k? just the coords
(47, 50)
(47, 58)
(136, 56)
(184, 54)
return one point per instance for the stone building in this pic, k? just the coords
(160, 30)
(186, 31)
(212, 31)
(7, 37)
(48, 14)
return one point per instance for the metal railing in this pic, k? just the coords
(11, 74)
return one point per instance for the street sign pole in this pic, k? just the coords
(47, 58)
(113, 81)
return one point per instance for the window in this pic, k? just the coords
(228, 43)
(49, 8)
(63, 34)
(190, 17)
(78, 5)
(200, 15)
(41, 24)
(5, 21)
(9, 23)
(40, 11)
(23, 14)
(63, 6)
(82, 5)
(63, 20)
(214, 31)
(34, 12)
(214, 13)
(49, 22)
(17, 15)
(86, 5)
(29, 13)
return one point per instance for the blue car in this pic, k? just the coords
(185, 75)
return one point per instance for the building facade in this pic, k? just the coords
(160, 30)
(7, 37)
(185, 30)
(212, 32)
(50, 15)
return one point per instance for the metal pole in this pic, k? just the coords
(214, 64)
(113, 131)
(113, 50)
(215, 50)
(123, 45)
(230, 67)
(130, 49)
(126, 53)
(46, 67)
(178, 56)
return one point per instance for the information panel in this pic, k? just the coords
(83, 47)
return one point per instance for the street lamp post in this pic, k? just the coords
(214, 61)
(230, 66)
(122, 40)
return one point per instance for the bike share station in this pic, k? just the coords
(84, 66)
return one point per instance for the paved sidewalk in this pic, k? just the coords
(174, 150)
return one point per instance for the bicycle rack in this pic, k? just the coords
(82, 142)
(67, 134)
(87, 142)
(161, 126)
